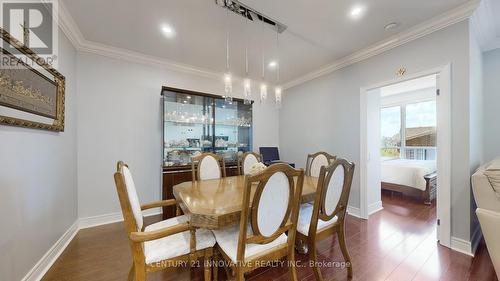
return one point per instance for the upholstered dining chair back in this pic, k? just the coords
(207, 166)
(274, 207)
(247, 160)
(334, 187)
(129, 200)
(317, 160)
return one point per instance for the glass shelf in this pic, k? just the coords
(197, 122)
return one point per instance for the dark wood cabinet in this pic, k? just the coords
(179, 174)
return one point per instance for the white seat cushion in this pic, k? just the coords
(227, 239)
(305, 216)
(177, 244)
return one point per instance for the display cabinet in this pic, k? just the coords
(194, 123)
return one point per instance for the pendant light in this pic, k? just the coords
(228, 84)
(263, 86)
(277, 89)
(247, 84)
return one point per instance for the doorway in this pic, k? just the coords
(399, 134)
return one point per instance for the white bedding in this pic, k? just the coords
(407, 172)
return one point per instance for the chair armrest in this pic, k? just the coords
(160, 233)
(162, 203)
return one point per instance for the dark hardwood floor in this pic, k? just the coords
(397, 243)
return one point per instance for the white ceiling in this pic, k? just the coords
(319, 32)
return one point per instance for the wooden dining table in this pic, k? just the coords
(214, 204)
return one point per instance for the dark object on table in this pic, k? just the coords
(271, 155)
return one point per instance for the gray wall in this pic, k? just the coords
(491, 61)
(324, 114)
(38, 183)
(475, 117)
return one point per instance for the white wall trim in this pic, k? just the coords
(375, 207)
(444, 143)
(462, 246)
(110, 218)
(71, 30)
(353, 211)
(47, 260)
(437, 23)
(43, 265)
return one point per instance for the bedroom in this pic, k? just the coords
(408, 139)
(399, 121)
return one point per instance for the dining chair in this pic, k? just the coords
(316, 160)
(169, 243)
(207, 166)
(246, 161)
(265, 218)
(327, 215)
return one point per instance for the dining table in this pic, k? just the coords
(216, 203)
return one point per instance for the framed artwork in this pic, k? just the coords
(31, 91)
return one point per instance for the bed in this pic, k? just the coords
(410, 177)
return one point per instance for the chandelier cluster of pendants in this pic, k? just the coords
(247, 82)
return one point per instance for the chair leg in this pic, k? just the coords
(140, 275)
(207, 268)
(313, 254)
(240, 276)
(131, 273)
(291, 265)
(345, 253)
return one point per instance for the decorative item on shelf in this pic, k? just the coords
(29, 93)
(257, 168)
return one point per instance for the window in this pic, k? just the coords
(420, 131)
(390, 125)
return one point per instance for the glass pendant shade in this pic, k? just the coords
(247, 90)
(277, 96)
(228, 87)
(263, 92)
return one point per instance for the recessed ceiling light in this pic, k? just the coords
(391, 25)
(272, 64)
(357, 11)
(168, 30)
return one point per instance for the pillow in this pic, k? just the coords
(492, 172)
(257, 168)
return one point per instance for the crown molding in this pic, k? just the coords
(437, 23)
(73, 33)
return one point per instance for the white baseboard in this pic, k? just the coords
(110, 218)
(353, 211)
(43, 265)
(375, 207)
(467, 247)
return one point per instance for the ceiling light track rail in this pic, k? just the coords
(245, 11)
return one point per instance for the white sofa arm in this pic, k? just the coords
(490, 225)
(484, 194)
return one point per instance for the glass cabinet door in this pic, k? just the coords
(194, 123)
(233, 125)
(188, 127)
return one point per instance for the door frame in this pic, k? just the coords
(443, 103)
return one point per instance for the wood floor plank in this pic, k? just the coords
(397, 243)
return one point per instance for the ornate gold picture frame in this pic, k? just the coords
(31, 96)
